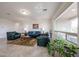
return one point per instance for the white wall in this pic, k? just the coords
(7, 25)
(43, 24)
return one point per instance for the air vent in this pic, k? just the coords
(44, 9)
(8, 13)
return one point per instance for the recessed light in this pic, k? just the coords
(73, 9)
(24, 12)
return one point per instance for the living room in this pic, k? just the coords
(18, 21)
(29, 27)
(23, 22)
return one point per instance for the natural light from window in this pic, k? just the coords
(74, 25)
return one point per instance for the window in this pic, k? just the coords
(74, 25)
(72, 38)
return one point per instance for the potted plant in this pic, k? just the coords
(62, 47)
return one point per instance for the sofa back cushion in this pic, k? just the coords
(34, 32)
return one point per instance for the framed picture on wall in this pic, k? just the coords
(35, 26)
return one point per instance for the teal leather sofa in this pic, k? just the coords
(34, 34)
(13, 35)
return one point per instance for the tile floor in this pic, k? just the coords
(10, 50)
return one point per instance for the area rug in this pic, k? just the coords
(27, 42)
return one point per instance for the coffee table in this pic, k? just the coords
(25, 38)
(28, 40)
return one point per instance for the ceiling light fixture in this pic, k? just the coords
(24, 12)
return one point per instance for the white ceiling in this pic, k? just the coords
(69, 13)
(10, 10)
